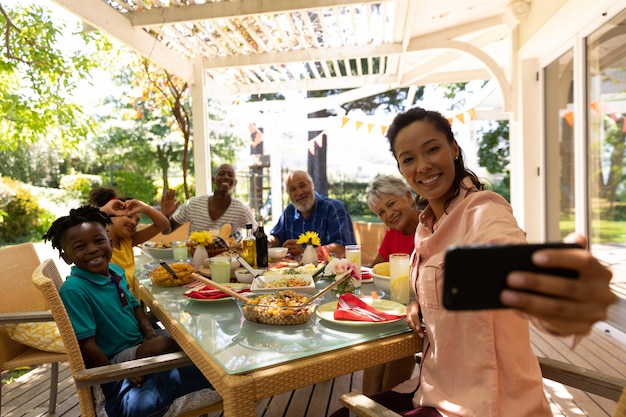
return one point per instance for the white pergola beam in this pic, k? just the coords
(314, 84)
(228, 10)
(303, 55)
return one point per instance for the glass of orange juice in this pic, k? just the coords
(399, 277)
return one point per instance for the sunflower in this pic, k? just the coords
(202, 238)
(309, 238)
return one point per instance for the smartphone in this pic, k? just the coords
(474, 276)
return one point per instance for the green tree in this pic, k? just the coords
(493, 154)
(37, 78)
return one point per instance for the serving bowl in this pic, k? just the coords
(158, 250)
(244, 276)
(297, 282)
(282, 308)
(162, 278)
(276, 254)
(383, 283)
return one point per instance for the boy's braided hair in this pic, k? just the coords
(84, 214)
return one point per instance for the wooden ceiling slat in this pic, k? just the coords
(354, 29)
(217, 27)
(313, 68)
(252, 31)
(309, 29)
(236, 32)
(326, 35)
(338, 27)
(325, 69)
(348, 67)
(359, 66)
(218, 45)
(285, 41)
(268, 34)
(298, 32)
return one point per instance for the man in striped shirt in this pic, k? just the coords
(211, 212)
(309, 211)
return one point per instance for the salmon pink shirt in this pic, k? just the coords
(477, 363)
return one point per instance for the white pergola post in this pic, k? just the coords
(527, 162)
(201, 146)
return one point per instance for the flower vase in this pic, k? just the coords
(309, 256)
(348, 286)
(199, 256)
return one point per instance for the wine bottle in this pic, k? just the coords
(261, 246)
(249, 246)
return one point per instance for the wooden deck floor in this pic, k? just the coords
(602, 351)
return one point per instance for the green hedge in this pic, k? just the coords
(21, 218)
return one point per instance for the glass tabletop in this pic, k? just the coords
(241, 346)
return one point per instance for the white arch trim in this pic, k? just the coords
(492, 66)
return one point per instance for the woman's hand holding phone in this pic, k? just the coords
(570, 306)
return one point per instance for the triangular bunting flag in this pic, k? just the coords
(383, 130)
(344, 121)
(358, 125)
(461, 117)
(450, 120)
(370, 126)
(472, 114)
(311, 146)
(319, 139)
(569, 118)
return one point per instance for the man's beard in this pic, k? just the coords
(305, 206)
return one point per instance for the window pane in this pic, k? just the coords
(606, 84)
(559, 76)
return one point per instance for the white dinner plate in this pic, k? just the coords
(233, 285)
(326, 312)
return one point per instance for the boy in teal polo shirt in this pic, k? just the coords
(110, 324)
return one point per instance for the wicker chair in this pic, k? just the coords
(564, 373)
(17, 264)
(84, 378)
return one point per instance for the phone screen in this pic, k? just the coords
(474, 276)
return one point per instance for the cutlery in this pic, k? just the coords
(255, 272)
(338, 281)
(220, 287)
(169, 269)
(360, 310)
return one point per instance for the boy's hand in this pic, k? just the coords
(137, 381)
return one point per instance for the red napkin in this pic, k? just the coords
(366, 274)
(341, 314)
(209, 293)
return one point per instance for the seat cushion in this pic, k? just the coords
(43, 336)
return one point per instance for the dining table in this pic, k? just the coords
(246, 361)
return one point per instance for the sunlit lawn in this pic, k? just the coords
(603, 231)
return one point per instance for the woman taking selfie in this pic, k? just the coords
(475, 363)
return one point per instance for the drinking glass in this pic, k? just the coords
(179, 250)
(353, 254)
(220, 269)
(399, 277)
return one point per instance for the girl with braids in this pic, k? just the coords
(109, 322)
(479, 363)
(123, 229)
